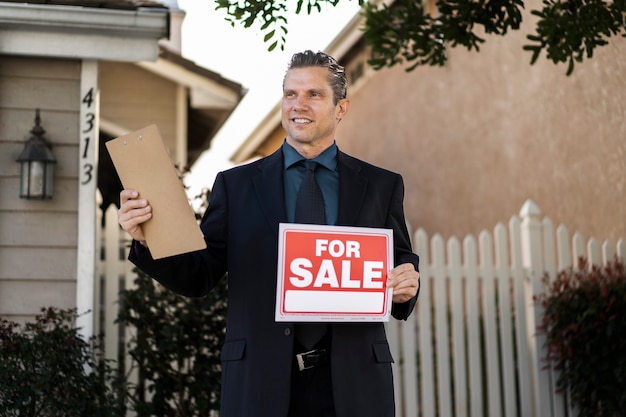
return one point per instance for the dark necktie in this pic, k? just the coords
(310, 210)
(310, 201)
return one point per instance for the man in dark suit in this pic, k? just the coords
(268, 370)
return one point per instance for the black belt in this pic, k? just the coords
(313, 358)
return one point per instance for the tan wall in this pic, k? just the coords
(135, 98)
(478, 137)
(38, 238)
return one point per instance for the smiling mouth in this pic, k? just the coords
(300, 120)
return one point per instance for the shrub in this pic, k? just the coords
(175, 348)
(47, 369)
(585, 324)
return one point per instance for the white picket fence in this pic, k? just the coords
(115, 274)
(471, 347)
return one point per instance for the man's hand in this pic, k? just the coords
(132, 213)
(405, 281)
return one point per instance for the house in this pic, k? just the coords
(94, 70)
(478, 137)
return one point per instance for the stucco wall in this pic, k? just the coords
(38, 238)
(478, 137)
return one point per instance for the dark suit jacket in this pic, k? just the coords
(241, 230)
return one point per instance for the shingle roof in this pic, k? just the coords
(176, 58)
(97, 4)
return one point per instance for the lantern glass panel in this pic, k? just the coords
(24, 179)
(37, 179)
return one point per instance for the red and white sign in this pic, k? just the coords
(333, 273)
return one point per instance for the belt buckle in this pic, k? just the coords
(301, 360)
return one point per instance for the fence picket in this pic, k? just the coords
(473, 328)
(488, 301)
(408, 387)
(129, 283)
(457, 314)
(505, 308)
(549, 262)
(578, 248)
(593, 252)
(564, 253)
(442, 341)
(111, 285)
(100, 270)
(548, 248)
(425, 337)
(608, 253)
(520, 287)
(531, 251)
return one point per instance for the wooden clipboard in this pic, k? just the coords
(143, 164)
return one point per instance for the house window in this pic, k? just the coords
(357, 68)
(356, 72)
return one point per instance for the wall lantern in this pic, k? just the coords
(37, 165)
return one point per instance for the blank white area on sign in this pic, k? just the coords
(302, 301)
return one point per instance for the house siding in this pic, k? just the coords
(38, 238)
(135, 98)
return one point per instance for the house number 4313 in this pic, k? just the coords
(87, 129)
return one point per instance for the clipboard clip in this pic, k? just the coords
(139, 137)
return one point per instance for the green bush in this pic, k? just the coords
(47, 369)
(585, 324)
(175, 348)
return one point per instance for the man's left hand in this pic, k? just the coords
(405, 281)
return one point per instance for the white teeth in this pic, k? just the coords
(301, 120)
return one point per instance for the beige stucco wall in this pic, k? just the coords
(38, 239)
(478, 137)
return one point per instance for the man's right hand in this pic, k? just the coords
(132, 213)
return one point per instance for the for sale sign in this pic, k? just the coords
(333, 273)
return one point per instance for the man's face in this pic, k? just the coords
(309, 114)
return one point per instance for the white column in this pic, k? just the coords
(87, 186)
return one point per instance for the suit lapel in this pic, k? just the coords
(268, 184)
(269, 187)
(352, 186)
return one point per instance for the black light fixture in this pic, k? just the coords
(37, 165)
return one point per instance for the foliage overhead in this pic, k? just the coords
(410, 31)
(406, 31)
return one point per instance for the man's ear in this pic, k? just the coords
(342, 108)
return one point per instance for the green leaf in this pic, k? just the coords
(565, 29)
(268, 36)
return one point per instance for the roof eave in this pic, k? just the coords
(82, 32)
(208, 89)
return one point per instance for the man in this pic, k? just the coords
(348, 368)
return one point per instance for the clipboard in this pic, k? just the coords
(143, 164)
